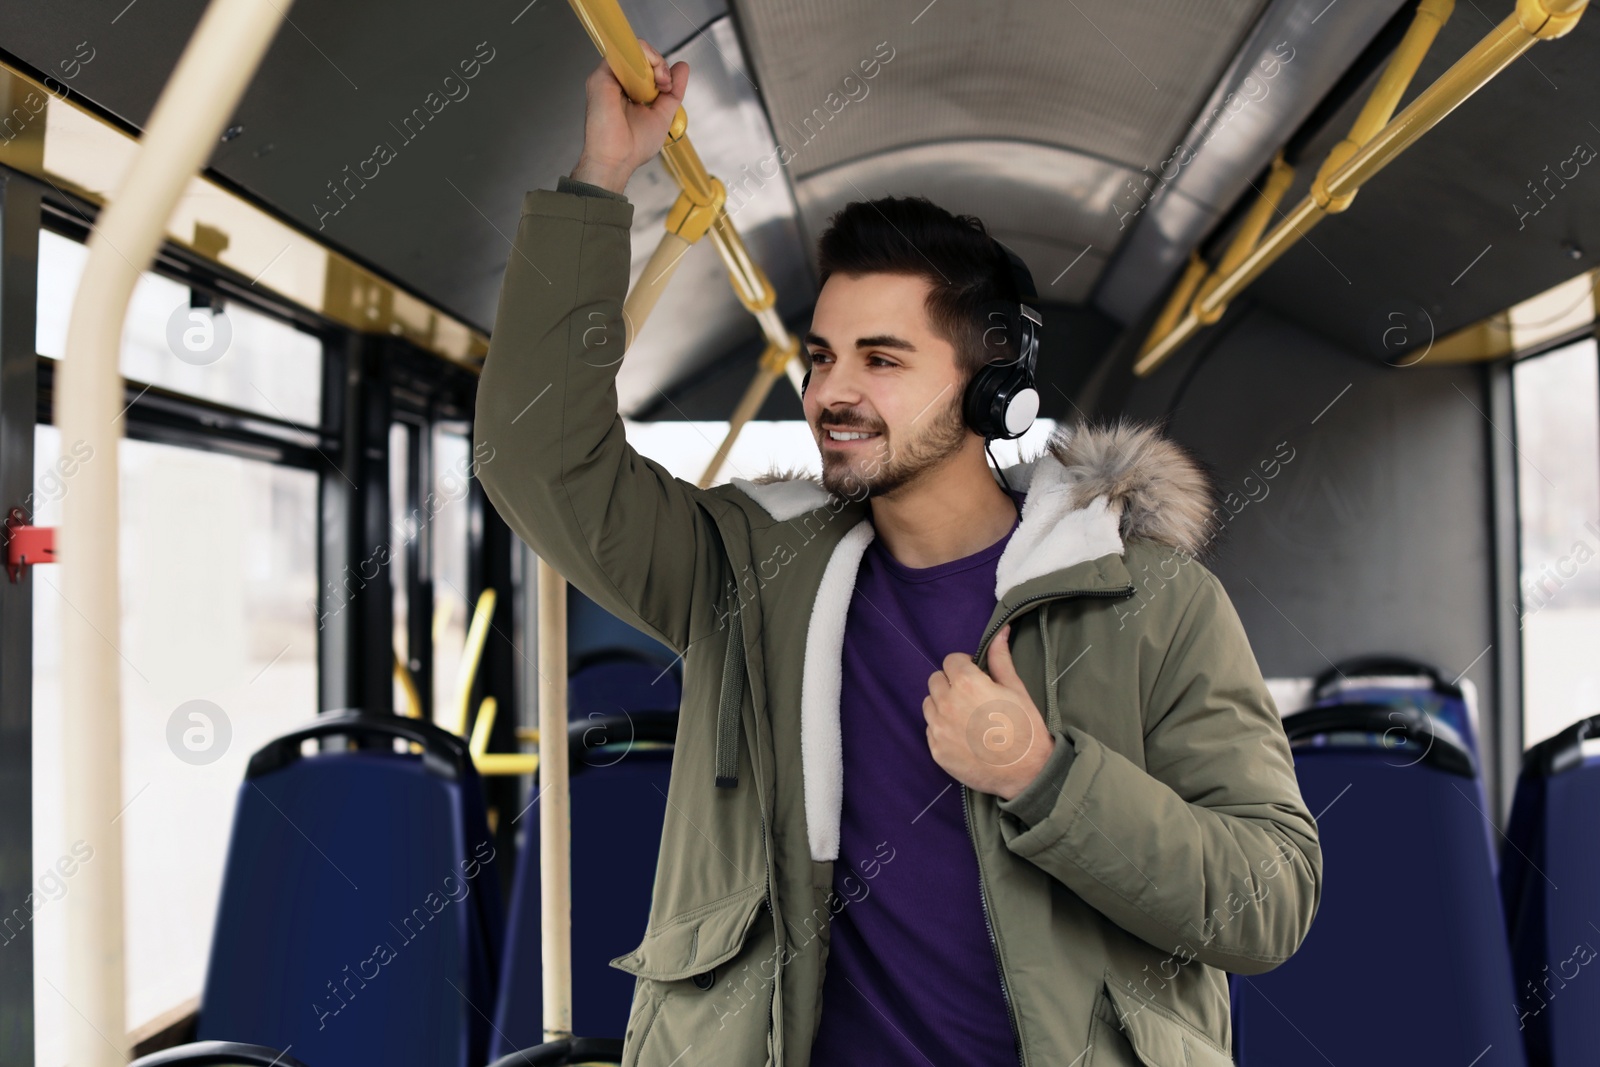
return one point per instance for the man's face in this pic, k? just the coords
(884, 401)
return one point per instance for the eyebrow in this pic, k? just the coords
(882, 340)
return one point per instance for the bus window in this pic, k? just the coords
(255, 363)
(447, 516)
(219, 655)
(403, 532)
(1557, 398)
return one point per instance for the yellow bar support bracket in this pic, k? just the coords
(1364, 153)
(1430, 17)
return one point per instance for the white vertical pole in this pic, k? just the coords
(184, 128)
(555, 827)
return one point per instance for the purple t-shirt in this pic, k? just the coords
(911, 974)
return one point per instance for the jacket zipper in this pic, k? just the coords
(777, 940)
(994, 944)
(1120, 591)
(966, 810)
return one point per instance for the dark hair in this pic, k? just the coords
(912, 235)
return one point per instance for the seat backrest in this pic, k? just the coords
(621, 681)
(353, 919)
(1550, 884)
(1406, 961)
(218, 1054)
(1400, 682)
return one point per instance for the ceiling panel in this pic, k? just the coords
(341, 79)
(1117, 79)
(1030, 196)
(1297, 53)
(1033, 115)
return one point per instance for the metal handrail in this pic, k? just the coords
(1375, 140)
(699, 210)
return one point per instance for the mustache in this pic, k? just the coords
(848, 422)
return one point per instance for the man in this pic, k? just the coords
(880, 848)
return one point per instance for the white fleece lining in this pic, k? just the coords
(821, 745)
(1051, 536)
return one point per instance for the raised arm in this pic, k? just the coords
(556, 464)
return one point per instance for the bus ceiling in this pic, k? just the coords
(1106, 168)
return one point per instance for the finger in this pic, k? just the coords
(938, 682)
(658, 66)
(670, 98)
(928, 708)
(957, 664)
(1001, 667)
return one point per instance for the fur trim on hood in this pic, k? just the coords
(1163, 491)
(1159, 489)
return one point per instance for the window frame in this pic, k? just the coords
(366, 379)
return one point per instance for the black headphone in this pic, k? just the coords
(1002, 399)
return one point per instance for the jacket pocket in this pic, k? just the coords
(706, 984)
(1155, 1034)
(696, 941)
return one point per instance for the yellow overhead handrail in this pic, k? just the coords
(1374, 141)
(773, 362)
(698, 210)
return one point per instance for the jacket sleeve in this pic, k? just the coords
(554, 459)
(1208, 851)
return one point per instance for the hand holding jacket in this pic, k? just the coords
(983, 728)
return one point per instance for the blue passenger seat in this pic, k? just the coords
(623, 710)
(1550, 882)
(1406, 961)
(359, 919)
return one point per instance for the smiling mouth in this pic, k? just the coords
(850, 435)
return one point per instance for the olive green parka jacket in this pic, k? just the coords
(1165, 843)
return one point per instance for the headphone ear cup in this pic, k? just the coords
(979, 402)
(1021, 411)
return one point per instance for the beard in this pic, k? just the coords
(893, 464)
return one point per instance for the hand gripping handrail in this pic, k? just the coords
(198, 100)
(698, 210)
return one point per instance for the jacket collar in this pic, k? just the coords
(1089, 490)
